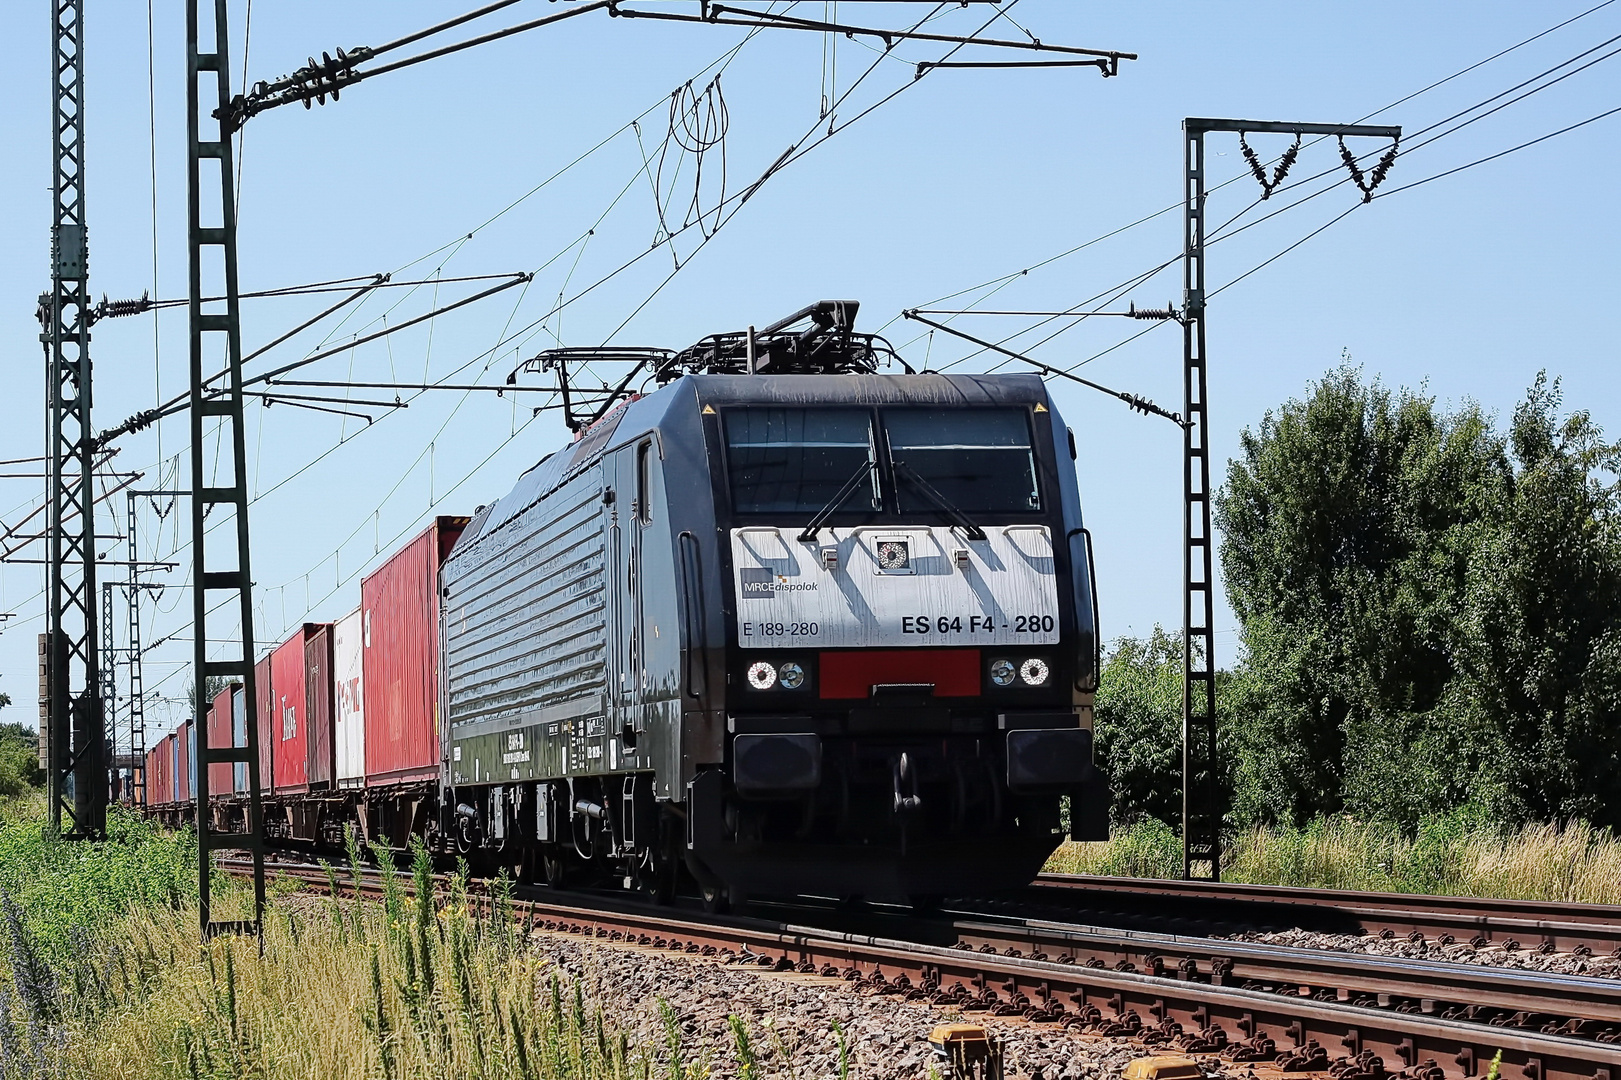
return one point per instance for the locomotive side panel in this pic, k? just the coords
(525, 642)
(645, 618)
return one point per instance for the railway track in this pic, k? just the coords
(1367, 1018)
(1543, 926)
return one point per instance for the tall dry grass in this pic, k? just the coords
(342, 988)
(1459, 854)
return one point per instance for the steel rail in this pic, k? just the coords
(1549, 926)
(1482, 992)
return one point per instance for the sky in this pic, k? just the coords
(989, 189)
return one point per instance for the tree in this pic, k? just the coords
(1138, 722)
(1138, 725)
(1542, 648)
(19, 760)
(1399, 574)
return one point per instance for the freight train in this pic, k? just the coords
(782, 625)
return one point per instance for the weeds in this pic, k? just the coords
(743, 1045)
(67, 887)
(403, 990)
(675, 1058)
(1460, 854)
(844, 1050)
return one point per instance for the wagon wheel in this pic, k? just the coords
(554, 868)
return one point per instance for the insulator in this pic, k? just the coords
(1375, 176)
(1278, 172)
(113, 309)
(1167, 312)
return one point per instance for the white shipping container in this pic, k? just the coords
(350, 733)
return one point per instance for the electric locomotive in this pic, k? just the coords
(785, 624)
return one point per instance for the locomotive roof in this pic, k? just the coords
(644, 414)
(1020, 389)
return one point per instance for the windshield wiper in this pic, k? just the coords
(957, 517)
(808, 535)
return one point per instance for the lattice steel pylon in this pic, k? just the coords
(222, 402)
(109, 680)
(1201, 774)
(137, 680)
(75, 744)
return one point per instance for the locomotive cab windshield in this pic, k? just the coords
(866, 464)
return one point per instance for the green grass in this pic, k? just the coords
(102, 976)
(1460, 854)
(69, 889)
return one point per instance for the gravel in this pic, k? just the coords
(1461, 952)
(795, 1021)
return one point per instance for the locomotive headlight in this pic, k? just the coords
(1034, 671)
(762, 676)
(791, 675)
(1002, 672)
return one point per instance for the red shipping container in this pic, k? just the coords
(182, 772)
(219, 738)
(158, 789)
(155, 794)
(400, 656)
(166, 753)
(263, 691)
(318, 691)
(289, 729)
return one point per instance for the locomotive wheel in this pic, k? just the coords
(717, 899)
(655, 878)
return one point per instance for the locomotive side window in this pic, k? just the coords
(786, 460)
(644, 483)
(979, 460)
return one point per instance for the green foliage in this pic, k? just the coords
(1461, 853)
(19, 760)
(410, 989)
(1138, 722)
(66, 889)
(1430, 610)
(1146, 848)
(746, 1067)
(1138, 714)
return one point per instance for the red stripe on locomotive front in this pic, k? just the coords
(954, 672)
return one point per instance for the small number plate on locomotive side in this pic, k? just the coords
(794, 595)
